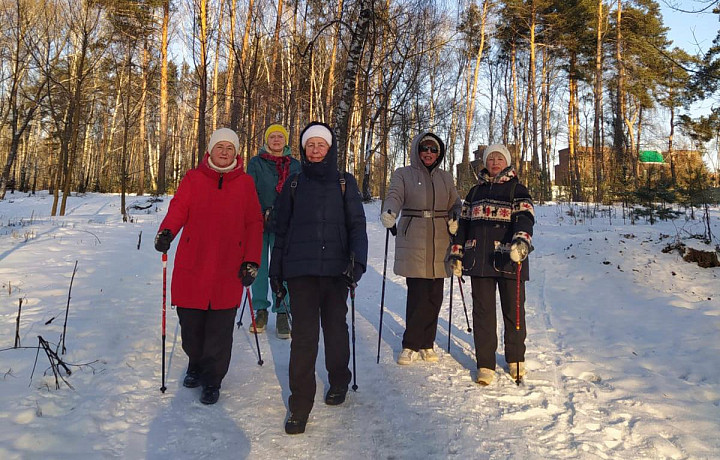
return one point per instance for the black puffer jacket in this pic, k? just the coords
(317, 227)
(496, 211)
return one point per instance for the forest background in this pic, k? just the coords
(121, 96)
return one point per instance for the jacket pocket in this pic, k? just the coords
(502, 263)
(185, 253)
(469, 255)
(407, 227)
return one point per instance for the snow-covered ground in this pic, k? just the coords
(623, 353)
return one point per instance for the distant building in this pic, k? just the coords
(585, 165)
(658, 164)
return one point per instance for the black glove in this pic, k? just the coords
(353, 273)
(248, 272)
(277, 286)
(163, 240)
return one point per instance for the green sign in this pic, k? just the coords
(651, 156)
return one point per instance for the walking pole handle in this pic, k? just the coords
(393, 229)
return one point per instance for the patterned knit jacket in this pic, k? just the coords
(496, 211)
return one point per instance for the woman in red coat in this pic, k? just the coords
(217, 208)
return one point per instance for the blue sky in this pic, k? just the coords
(692, 32)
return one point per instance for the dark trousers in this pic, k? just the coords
(424, 299)
(317, 300)
(207, 337)
(485, 320)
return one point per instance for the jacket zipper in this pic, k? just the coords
(220, 181)
(485, 238)
(432, 223)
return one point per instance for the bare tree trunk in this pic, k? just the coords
(237, 105)
(574, 169)
(545, 133)
(597, 93)
(20, 117)
(216, 71)
(201, 69)
(671, 137)
(230, 74)
(342, 114)
(272, 102)
(330, 83)
(143, 120)
(515, 119)
(74, 122)
(470, 108)
(162, 176)
(620, 138)
(533, 92)
(127, 104)
(87, 157)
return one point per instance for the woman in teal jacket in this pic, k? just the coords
(269, 169)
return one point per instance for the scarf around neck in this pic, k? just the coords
(227, 168)
(282, 165)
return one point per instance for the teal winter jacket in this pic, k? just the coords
(265, 175)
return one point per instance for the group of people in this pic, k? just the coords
(298, 229)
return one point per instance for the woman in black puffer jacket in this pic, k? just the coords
(320, 249)
(495, 233)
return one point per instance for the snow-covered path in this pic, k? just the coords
(623, 354)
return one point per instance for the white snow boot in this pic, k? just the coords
(513, 369)
(407, 356)
(485, 376)
(429, 355)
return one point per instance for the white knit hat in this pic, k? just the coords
(316, 131)
(497, 148)
(224, 134)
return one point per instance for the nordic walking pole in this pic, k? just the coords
(450, 315)
(462, 296)
(352, 304)
(239, 323)
(517, 322)
(392, 230)
(164, 310)
(252, 318)
(287, 310)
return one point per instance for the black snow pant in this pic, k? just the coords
(207, 337)
(485, 320)
(424, 299)
(317, 300)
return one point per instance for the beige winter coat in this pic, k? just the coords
(425, 200)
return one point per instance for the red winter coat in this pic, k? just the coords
(222, 228)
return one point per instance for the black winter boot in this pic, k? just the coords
(295, 424)
(210, 394)
(335, 396)
(192, 379)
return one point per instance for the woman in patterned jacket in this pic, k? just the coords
(493, 240)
